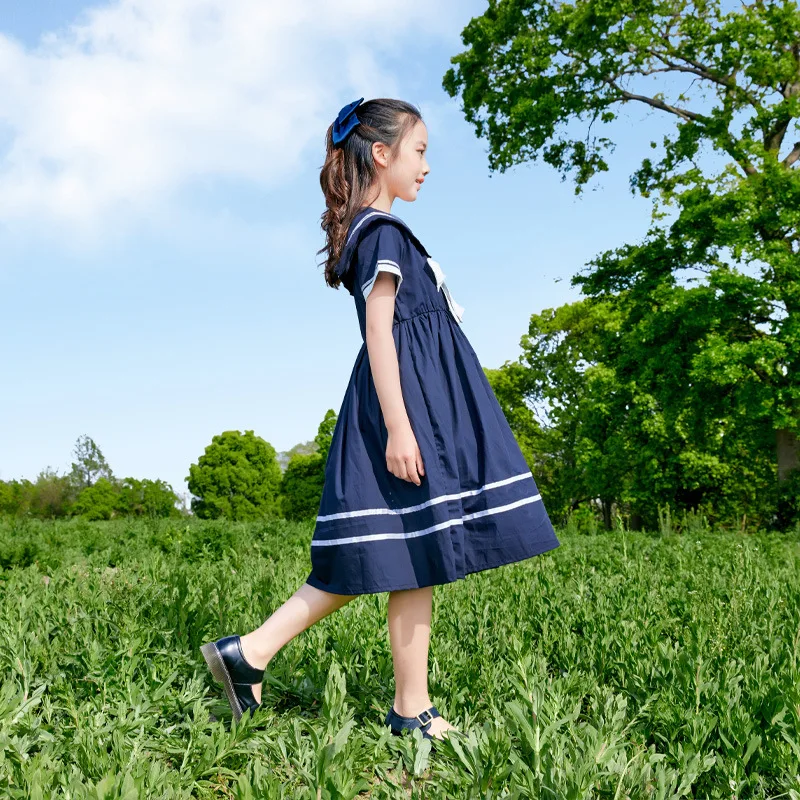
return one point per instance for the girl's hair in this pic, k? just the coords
(349, 170)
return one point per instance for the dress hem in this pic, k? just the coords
(311, 580)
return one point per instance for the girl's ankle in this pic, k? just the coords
(251, 655)
(411, 708)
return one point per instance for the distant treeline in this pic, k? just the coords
(238, 477)
(582, 462)
(89, 490)
(53, 496)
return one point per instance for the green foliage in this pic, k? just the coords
(530, 67)
(16, 497)
(6, 497)
(678, 393)
(561, 360)
(709, 367)
(146, 498)
(90, 490)
(623, 665)
(640, 417)
(98, 501)
(107, 499)
(237, 477)
(789, 502)
(301, 489)
(511, 386)
(90, 464)
(51, 495)
(325, 434)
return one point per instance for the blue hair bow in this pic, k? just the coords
(345, 121)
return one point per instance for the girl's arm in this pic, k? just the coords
(403, 457)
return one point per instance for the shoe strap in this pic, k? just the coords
(421, 720)
(246, 670)
(426, 717)
(240, 670)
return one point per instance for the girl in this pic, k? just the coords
(424, 480)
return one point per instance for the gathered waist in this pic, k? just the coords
(425, 313)
(422, 314)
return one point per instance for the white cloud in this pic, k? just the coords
(111, 116)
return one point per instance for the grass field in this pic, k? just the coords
(621, 665)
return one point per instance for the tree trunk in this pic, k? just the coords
(606, 506)
(788, 453)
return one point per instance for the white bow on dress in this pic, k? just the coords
(456, 310)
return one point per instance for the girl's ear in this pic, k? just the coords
(380, 154)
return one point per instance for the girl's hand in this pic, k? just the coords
(403, 458)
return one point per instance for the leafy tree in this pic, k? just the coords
(512, 387)
(7, 500)
(325, 434)
(146, 498)
(98, 501)
(534, 72)
(52, 495)
(90, 465)
(789, 502)
(568, 376)
(16, 497)
(695, 354)
(301, 487)
(237, 477)
(638, 418)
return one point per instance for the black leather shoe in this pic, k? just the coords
(421, 721)
(228, 666)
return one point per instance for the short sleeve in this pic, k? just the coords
(381, 249)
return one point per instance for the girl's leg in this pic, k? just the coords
(409, 633)
(305, 607)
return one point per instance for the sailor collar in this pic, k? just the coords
(368, 219)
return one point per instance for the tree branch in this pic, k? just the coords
(774, 138)
(702, 71)
(760, 374)
(696, 67)
(793, 156)
(654, 102)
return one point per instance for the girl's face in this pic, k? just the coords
(404, 176)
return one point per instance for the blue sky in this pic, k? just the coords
(159, 218)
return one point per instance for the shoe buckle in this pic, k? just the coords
(424, 721)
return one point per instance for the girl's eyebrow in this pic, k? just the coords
(422, 143)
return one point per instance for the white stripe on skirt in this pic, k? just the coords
(374, 537)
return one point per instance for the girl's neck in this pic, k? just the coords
(382, 202)
(376, 208)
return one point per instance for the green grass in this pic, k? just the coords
(619, 665)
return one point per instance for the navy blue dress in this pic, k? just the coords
(477, 506)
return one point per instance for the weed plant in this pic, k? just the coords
(621, 665)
